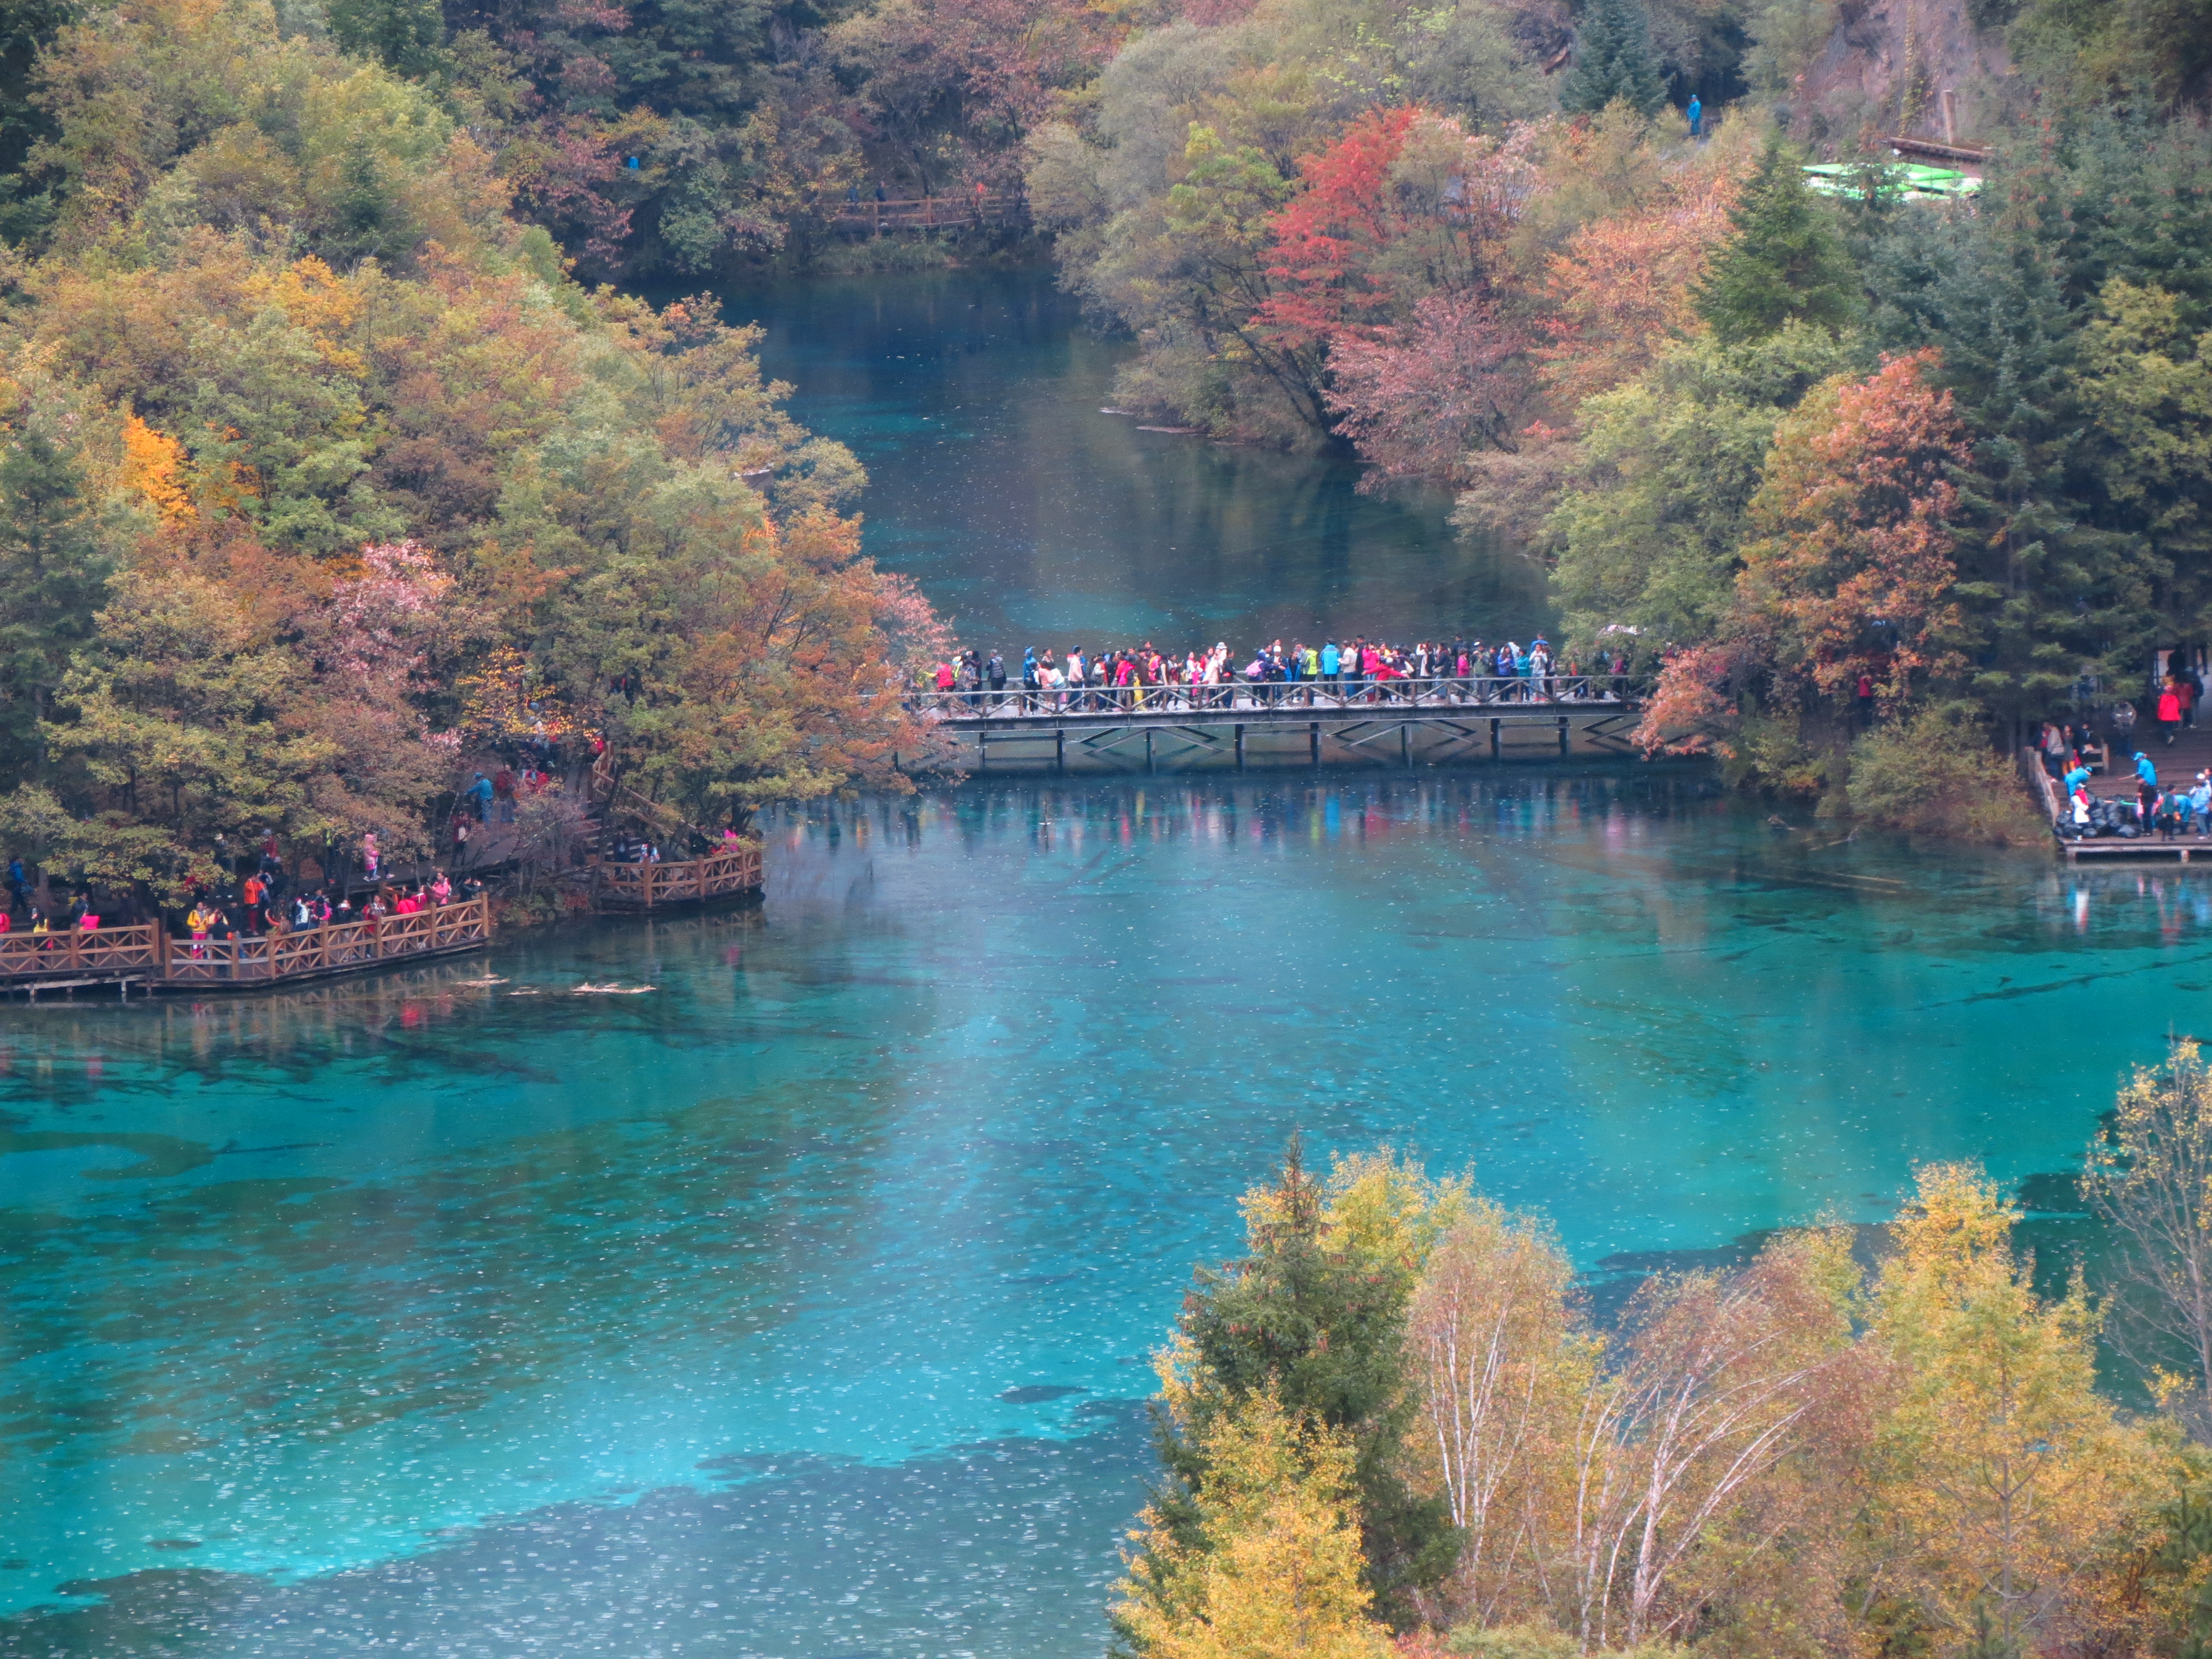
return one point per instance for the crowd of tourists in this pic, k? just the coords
(1359, 670)
(269, 899)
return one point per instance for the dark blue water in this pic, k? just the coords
(1031, 519)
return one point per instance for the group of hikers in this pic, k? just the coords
(1362, 669)
(2071, 754)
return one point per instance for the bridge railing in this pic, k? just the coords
(929, 212)
(104, 950)
(1339, 695)
(147, 952)
(292, 953)
(737, 870)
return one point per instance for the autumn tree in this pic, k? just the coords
(1618, 292)
(2004, 1469)
(740, 663)
(1849, 572)
(1715, 1384)
(177, 721)
(1504, 1358)
(2150, 1178)
(1650, 528)
(1313, 1316)
(1423, 399)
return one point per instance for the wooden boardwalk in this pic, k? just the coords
(651, 886)
(929, 213)
(1309, 723)
(145, 955)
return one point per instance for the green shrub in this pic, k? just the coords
(1512, 1641)
(1934, 773)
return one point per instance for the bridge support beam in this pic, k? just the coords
(1495, 748)
(1240, 749)
(1059, 749)
(1313, 736)
(1406, 744)
(1563, 735)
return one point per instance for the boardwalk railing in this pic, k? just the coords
(109, 952)
(648, 884)
(1347, 697)
(147, 953)
(929, 213)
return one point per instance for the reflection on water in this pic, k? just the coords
(800, 1307)
(972, 399)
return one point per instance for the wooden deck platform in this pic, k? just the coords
(2191, 753)
(146, 956)
(688, 881)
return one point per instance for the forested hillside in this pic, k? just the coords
(321, 477)
(287, 281)
(1812, 449)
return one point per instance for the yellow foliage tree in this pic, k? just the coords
(153, 463)
(1274, 1572)
(2004, 1473)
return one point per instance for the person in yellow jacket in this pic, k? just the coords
(202, 923)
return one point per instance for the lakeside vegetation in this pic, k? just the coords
(1395, 1424)
(322, 477)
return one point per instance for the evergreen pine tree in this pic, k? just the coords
(53, 572)
(404, 35)
(1311, 1319)
(1614, 61)
(1784, 258)
(2054, 576)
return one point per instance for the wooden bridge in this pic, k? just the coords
(146, 956)
(1307, 722)
(929, 213)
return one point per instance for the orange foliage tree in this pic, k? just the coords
(1850, 574)
(1619, 289)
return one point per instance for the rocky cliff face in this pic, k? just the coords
(1885, 67)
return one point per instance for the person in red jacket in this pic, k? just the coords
(2169, 708)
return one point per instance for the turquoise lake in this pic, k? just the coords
(800, 1305)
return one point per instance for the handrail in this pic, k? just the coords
(926, 212)
(1244, 697)
(27, 956)
(737, 871)
(283, 953)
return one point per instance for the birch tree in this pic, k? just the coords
(2150, 1178)
(1501, 1358)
